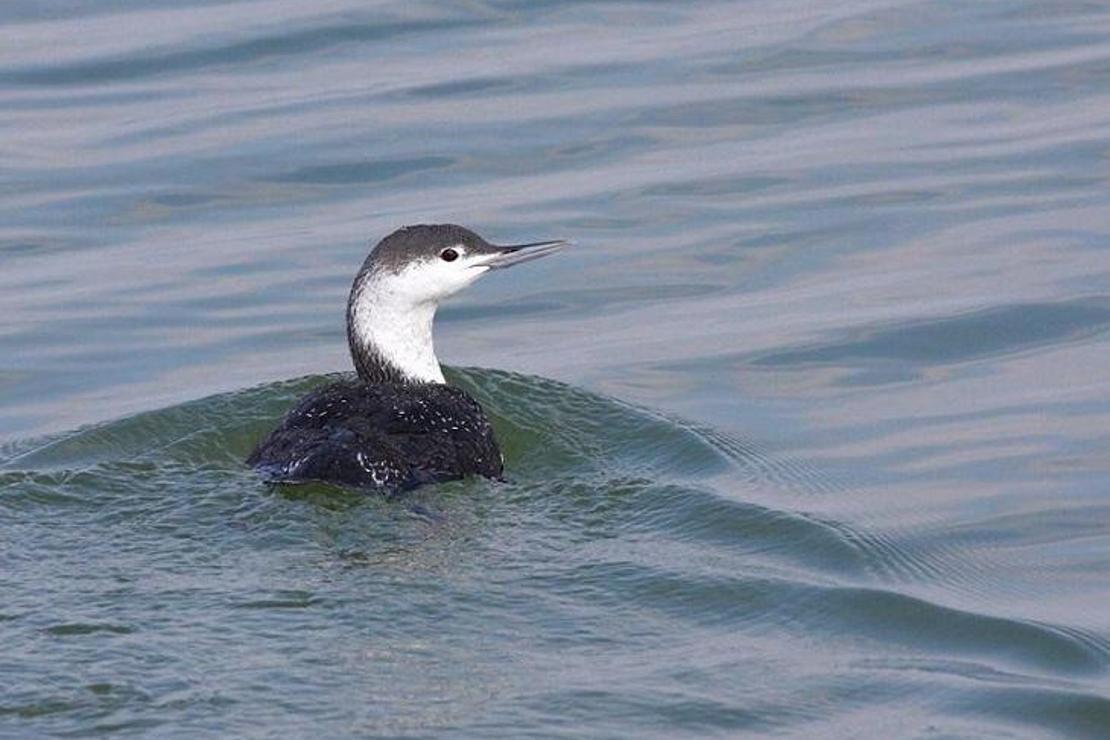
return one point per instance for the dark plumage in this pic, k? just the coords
(381, 435)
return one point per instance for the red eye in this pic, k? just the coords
(449, 255)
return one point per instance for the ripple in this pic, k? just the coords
(296, 42)
(80, 629)
(1076, 713)
(348, 173)
(625, 503)
(989, 333)
(862, 243)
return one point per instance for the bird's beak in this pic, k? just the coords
(517, 253)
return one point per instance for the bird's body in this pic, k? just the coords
(399, 425)
(381, 435)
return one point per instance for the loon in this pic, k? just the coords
(398, 425)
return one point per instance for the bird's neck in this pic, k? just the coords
(391, 337)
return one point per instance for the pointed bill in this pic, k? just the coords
(518, 253)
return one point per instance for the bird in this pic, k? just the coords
(397, 424)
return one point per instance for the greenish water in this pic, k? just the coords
(806, 436)
(633, 574)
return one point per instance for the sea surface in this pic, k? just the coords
(808, 434)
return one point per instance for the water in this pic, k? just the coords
(807, 436)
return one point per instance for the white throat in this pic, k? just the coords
(390, 322)
(390, 315)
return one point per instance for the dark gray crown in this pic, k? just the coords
(422, 241)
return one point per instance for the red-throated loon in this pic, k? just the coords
(399, 425)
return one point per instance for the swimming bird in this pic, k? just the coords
(398, 425)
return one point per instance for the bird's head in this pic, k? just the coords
(427, 263)
(402, 281)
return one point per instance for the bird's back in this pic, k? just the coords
(389, 436)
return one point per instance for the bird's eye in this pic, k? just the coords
(448, 255)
